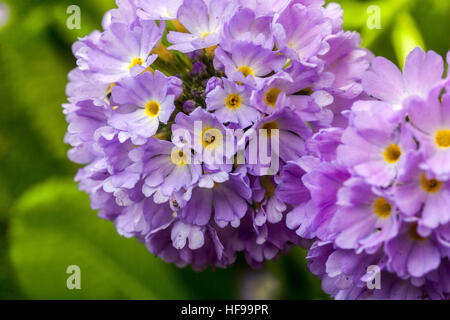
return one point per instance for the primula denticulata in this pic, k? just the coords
(212, 127)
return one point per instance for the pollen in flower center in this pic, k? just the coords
(271, 96)
(443, 138)
(382, 208)
(269, 126)
(246, 71)
(205, 34)
(392, 153)
(233, 101)
(430, 186)
(211, 138)
(152, 108)
(179, 157)
(135, 62)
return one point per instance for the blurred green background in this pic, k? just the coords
(46, 223)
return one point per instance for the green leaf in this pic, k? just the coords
(38, 58)
(53, 228)
(388, 11)
(24, 158)
(405, 36)
(298, 282)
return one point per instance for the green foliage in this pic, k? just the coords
(422, 22)
(53, 228)
(405, 36)
(298, 283)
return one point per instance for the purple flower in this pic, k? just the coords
(281, 135)
(265, 7)
(345, 275)
(230, 202)
(345, 66)
(410, 254)
(213, 83)
(324, 143)
(125, 13)
(324, 183)
(85, 118)
(263, 242)
(143, 102)
(375, 145)
(183, 243)
(282, 90)
(165, 168)
(206, 135)
(292, 191)
(269, 206)
(158, 9)
(366, 217)
(430, 122)
(340, 270)
(291, 188)
(232, 104)
(189, 106)
(422, 72)
(300, 33)
(198, 69)
(244, 26)
(419, 194)
(82, 86)
(119, 49)
(203, 20)
(247, 62)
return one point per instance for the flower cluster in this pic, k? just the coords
(163, 87)
(379, 189)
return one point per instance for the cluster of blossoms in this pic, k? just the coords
(379, 206)
(167, 103)
(205, 68)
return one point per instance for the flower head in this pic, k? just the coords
(200, 124)
(385, 214)
(142, 103)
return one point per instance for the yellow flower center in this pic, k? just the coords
(211, 138)
(179, 157)
(413, 233)
(246, 71)
(110, 87)
(430, 186)
(392, 153)
(205, 34)
(271, 96)
(135, 62)
(233, 101)
(443, 138)
(382, 208)
(269, 126)
(152, 109)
